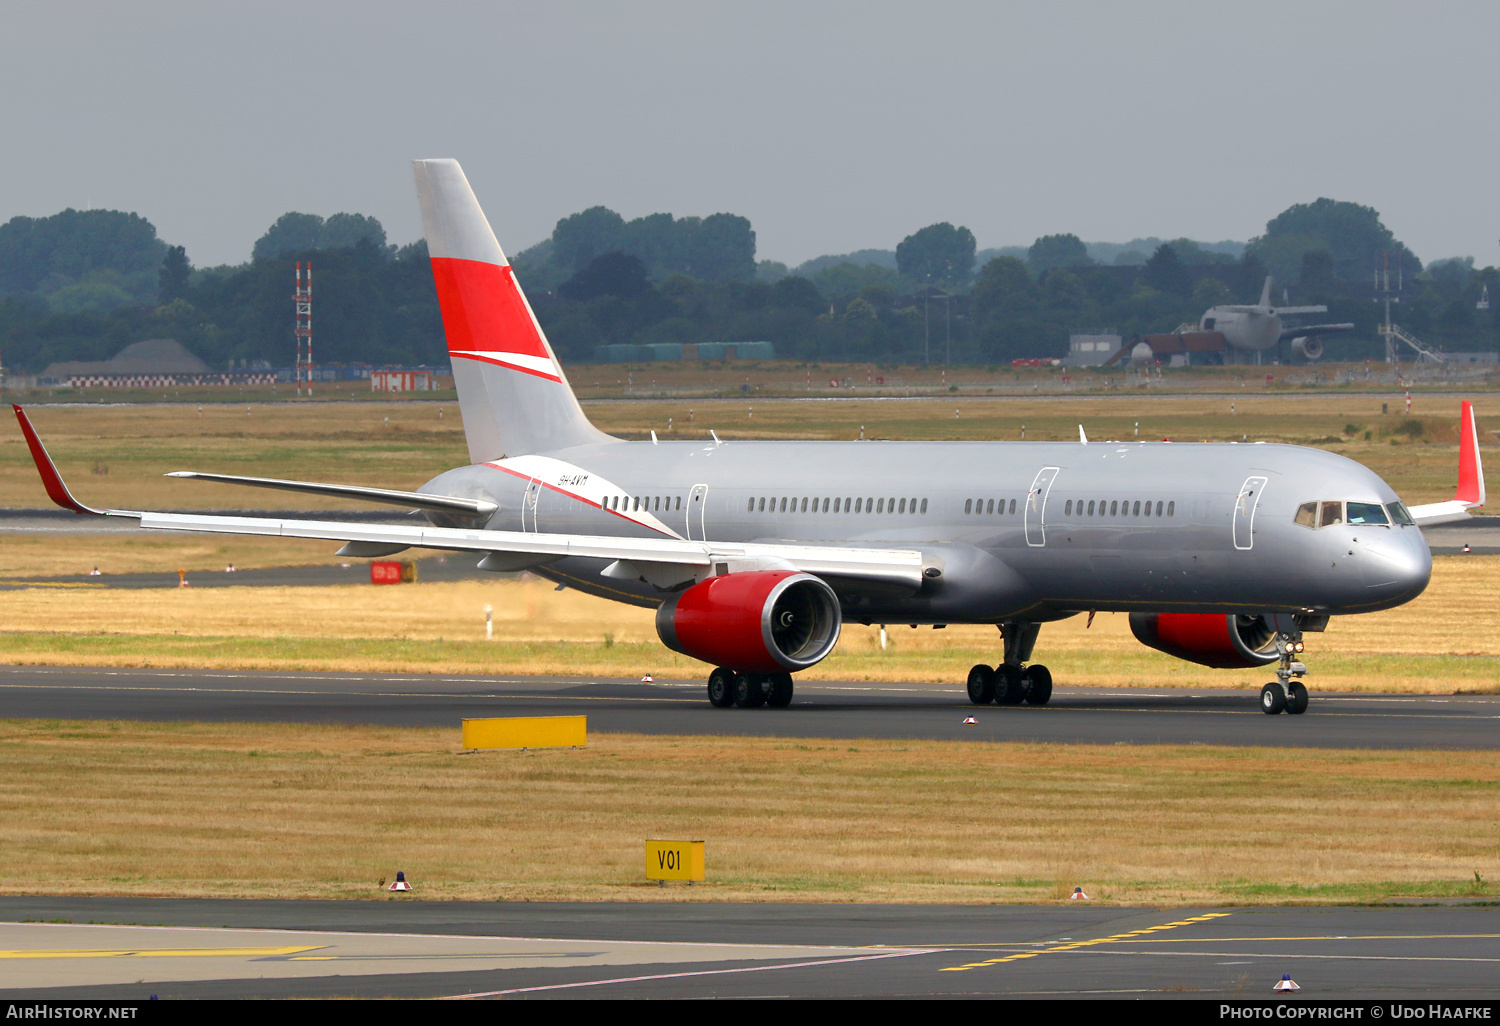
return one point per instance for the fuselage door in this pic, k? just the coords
(697, 507)
(1244, 512)
(528, 506)
(1036, 507)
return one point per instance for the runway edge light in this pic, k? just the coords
(399, 884)
(1286, 983)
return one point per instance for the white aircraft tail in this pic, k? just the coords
(1265, 292)
(512, 392)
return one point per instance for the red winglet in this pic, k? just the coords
(1470, 470)
(56, 490)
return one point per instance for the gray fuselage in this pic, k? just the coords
(1076, 532)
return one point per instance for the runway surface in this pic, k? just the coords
(820, 709)
(411, 948)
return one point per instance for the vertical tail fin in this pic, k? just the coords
(1265, 292)
(512, 392)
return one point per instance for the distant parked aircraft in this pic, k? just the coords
(1258, 327)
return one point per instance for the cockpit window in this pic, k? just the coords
(1400, 514)
(1307, 515)
(1367, 513)
(1333, 513)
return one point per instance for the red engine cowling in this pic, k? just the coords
(762, 621)
(1210, 639)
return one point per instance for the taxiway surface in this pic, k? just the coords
(406, 948)
(851, 709)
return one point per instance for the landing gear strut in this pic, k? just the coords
(1012, 682)
(1285, 694)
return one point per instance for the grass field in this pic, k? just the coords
(1446, 640)
(115, 455)
(323, 811)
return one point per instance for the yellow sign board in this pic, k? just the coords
(674, 860)
(526, 732)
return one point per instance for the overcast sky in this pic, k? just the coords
(832, 126)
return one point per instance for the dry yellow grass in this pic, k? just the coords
(403, 444)
(43, 555)
(1447, 639)
(325, 811)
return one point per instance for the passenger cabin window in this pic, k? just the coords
(1171, 509)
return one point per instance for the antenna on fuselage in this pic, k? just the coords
(1083, 439)
(653, 436)
(717, 443)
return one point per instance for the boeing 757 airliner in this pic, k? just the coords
(755, 553)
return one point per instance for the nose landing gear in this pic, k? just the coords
(1285, 694)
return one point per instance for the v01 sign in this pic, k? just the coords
(674, 860)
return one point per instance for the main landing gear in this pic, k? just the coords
(1285, 694)
(728, 687)
(1012, 682)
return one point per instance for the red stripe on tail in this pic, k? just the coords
(483, 309)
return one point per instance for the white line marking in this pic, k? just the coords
(703, 972)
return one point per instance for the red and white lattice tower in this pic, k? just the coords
(303, 297)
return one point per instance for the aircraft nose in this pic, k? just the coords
(1397, 567)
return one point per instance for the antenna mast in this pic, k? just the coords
(303, 298)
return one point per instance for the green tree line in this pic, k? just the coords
(80, 285)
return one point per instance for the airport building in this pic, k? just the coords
(1091, 350)
(153, 363)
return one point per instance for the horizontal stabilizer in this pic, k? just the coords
(417, 500)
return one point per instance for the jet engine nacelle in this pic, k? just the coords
(1309, 347)
(1209, 639)
(761, 621)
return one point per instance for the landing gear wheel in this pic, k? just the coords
(981, 685)
(1272, 701)
(1039, 685)
(779, 688)
(1296, 698)
(721, 688)
(1010, 687)
(749, 691)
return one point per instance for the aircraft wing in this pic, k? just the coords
(1470, 493)
(666, 562)
(1315, 329)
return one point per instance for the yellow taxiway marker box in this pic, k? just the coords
(526, 732)
(674, 860)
